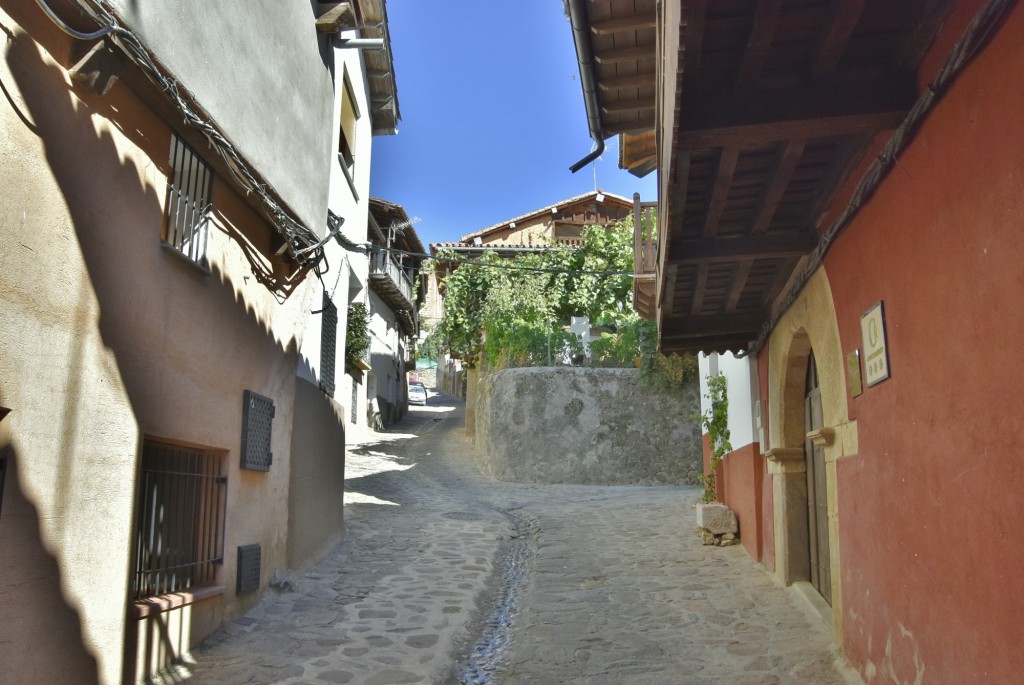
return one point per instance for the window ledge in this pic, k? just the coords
(159, 604)
(349, 176)
(203, 266)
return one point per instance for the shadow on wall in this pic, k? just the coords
(33, 606)
(117, 219)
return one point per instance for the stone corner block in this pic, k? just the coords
(716, 518)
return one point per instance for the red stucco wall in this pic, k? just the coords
(744, 473)
(929, 509)
(742, 481)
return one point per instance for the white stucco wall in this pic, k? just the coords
(242, 59)
(741, 387)
(346, 275)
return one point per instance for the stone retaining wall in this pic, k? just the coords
(592, 426)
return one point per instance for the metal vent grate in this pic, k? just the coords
(328, 344)
(249, 557)
(257, 417)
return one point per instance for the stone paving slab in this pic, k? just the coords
(619, 588)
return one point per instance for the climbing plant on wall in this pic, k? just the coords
(357, 334)
(715, 422)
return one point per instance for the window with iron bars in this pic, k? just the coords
(179, 543)
(187, 217)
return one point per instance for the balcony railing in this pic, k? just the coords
(381, 264)
(392, 283)
(645, 238)
(645, 257)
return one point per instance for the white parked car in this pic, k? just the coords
(417, 394)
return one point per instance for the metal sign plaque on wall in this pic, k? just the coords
(876, 353)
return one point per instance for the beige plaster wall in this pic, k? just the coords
(318, 474)
(105, 336)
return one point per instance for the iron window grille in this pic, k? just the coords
(187, 217)
(328, 344)
(179, 541)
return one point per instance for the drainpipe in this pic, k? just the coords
(585, 57)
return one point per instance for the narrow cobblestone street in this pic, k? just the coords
(445, 576)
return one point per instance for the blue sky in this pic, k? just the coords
(492, 116)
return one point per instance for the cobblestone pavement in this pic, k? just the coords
(446, 576)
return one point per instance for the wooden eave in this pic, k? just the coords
(567, 210)
(777, 101)
(380, 68)
(623, 36)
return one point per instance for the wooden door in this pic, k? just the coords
(817, 491)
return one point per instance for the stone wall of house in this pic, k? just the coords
(592, 426)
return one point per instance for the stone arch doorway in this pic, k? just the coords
(810, 322)
(801, 474)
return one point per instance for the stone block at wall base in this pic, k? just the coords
(716, 518)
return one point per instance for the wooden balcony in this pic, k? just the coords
(389, 280)
(645, 257)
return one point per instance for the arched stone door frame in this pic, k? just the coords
(810, 324)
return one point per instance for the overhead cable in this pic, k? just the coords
(510, 267)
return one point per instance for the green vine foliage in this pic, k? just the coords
(357, 334)
(715, 422)
(511, 317)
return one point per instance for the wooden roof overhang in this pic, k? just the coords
(388, 220)
(776, 101)
(571, 210)
(370, 17)
(623, 42)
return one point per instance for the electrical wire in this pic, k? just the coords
(305, 245)
(99, 33)
(510, 267)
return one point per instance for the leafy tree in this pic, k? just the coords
(518, 316)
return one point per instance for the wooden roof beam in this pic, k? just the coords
(632, 23)
(644, 122)
(631, 81)
(699, 250)
(710, 325)
(739, 282)
(720, 192)
(761, 34)
(333, 17)
(702, 287)
(778, 182)
(629, 106)
(921, 38)
(832, 45)
(807, 113)
(707, 344)
(694, 15)
(626, 55)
